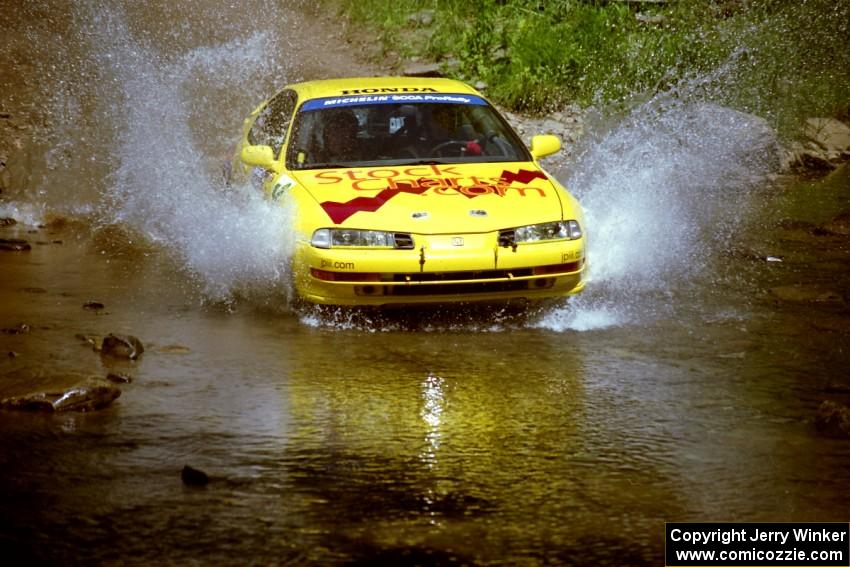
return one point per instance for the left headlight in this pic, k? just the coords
(356, 238)
(559, 230)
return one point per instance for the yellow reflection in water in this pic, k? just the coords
(434, 402)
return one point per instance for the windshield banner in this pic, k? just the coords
(407, 98)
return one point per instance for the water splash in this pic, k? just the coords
(423, 319)
(581, 315)
(170, 145)
(668, 185)
(665, 190)
(31, 214)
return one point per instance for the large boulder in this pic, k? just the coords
(825, 143)
(830, 134)
(729, 135)
(802, 158)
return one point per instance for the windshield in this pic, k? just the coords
(399, 129)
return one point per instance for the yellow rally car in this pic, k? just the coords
(412, 191)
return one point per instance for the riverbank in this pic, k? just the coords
(549, 66)
(536, 59)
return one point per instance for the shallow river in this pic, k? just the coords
(677, 388)
(485, 437)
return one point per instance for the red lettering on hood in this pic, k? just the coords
(341, 211)
(524, 176)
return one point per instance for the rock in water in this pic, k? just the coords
(119, 377)
(34, 290)
(90, 396)
(194, 477)
(122, 346)
(32, 402)
(14, 245)
(174, 349)
(833, 420)
(93, 341)
(20, 329)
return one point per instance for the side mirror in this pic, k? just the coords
(544, 145)
(260, 156)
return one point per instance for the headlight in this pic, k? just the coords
(355, 238)
(560, 230)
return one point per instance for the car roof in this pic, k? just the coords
(372, 85)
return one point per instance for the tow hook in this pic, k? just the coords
(422, 259)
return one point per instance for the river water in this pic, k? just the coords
(678, 387)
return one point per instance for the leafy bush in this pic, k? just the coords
(776, 58)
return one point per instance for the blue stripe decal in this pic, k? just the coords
(406, 98)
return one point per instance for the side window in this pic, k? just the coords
(270, 127)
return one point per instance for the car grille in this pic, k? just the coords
(469, 283)
(457, 289)
(454, 276)
(461, 283)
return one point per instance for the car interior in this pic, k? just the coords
(393, 132)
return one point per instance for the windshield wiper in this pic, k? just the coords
(427, 162)
(329, 165)
(324, 166)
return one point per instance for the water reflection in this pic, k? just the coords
(333, 445)
(433, 404)
(488, 445)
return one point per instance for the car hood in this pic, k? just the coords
(433, 199)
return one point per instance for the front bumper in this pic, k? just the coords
(440, 269)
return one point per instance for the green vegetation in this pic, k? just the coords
(775, 57)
